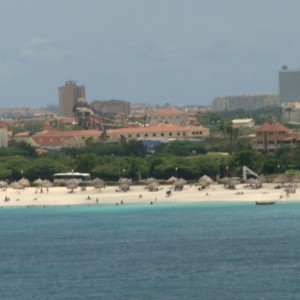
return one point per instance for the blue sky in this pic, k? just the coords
(146, 51)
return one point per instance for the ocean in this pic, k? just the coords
(163, 251)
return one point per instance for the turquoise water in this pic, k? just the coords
(194, 251)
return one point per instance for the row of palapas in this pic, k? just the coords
(152, 184)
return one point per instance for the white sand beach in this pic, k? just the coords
(31, 196)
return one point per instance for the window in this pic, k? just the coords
(129, 135)
(170, 133)
(162, 134)
(146, 134)
(178, 133)
(138, 135)
(154, 134)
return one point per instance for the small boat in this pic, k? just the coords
(265, 202)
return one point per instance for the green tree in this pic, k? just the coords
(86, 162)
(230, 135)
(252, 159)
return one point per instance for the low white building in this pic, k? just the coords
(242, 123)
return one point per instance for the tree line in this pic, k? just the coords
(186, 159)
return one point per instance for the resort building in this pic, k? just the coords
(289, 85)
(269, 137)
(159, 132)
(68, 96)
(245, 102)
(52, 140)
(169, 115)
(65, 139)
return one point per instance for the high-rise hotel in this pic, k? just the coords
(289, 85)
(68, 96)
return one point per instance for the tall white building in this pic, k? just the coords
(245, 102)
(289, 85)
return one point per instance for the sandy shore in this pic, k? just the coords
(138, 194)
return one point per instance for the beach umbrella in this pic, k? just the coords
(224, 180)
(172, 179)
(150, 180)
(180, 181)
(153, 185)
(38, 182)
(126, 181)
(124, 187)
(282, 178)
(254, 181)
(232, 182)
(16, 185)
(3, 184)
(46, 183)
(98, 183)
(24, 182)
(179, 184)
(206, 178)
(203, 183)
(72, 185)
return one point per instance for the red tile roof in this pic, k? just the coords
(22, 134)
(68, 133)
(291, 138)
(277, 127)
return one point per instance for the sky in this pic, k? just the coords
(145, 51)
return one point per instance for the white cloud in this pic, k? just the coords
(40, 49)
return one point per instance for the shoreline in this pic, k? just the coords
(137, 194)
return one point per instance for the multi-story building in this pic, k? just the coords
(289, 85)
(245, 102)
(68, 96)
(79, 138)
(291, 112)
(169, 115)
(269, 137)
(55, 140)
(160, 132)
(112, 106)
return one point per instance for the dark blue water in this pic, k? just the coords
(196, 251)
